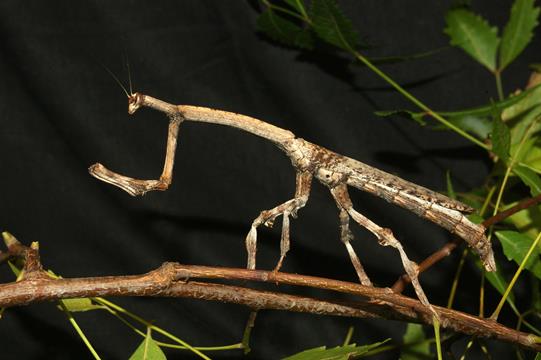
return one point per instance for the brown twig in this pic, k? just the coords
(448, 248)
(171, 280)
(161, 282)
(509, 212)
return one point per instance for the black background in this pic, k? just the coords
(60, 112)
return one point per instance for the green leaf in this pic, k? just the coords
(538, 356)
(148, 350)
(519, 30)
(478, 126)
(486, 110)
(474, 35)
(530, 178)
(16, 271)
(525, 139)
(527, 221)
(525, 102)
(415, 335)
(532, 159)
(332, 26)
(501, 138)
(521, 145)
(337, 353)
(521, 148)
(80, 305)
(418, 117)
(298, 5)
(284, 31)
(515, 247)
(529, 154)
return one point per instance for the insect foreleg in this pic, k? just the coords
(139, 187)
(172, 134)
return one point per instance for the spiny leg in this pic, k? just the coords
(267, 217)
(385, 237)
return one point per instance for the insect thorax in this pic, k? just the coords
(321, 162)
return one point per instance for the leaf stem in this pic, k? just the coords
(416, 101)
(436, 324)
(522, 317)
(482, 296)
(526, 323)
(79, 331)
(537, 339)
(202, 348)
(349, 335)
(510, 166)
(498, 76)
(147, 336)
(502, 188)
(185, 344)
(487, 200)
(494, 315)
(467, 349)
(149, 324)
(250, 323)
(484, 349)
(300, 6)
(269, 5)
(165, 344)
(385, 348)
(455, 280)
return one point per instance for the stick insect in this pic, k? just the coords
(335, 171)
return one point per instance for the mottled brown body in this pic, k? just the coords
(335, 171)
(332, 169)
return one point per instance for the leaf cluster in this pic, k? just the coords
(300, 26)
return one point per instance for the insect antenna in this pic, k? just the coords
(125, 55)
(129, 74)
(116, 79)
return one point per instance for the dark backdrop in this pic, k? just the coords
(60, 112)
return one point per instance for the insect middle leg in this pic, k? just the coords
(346, 236)
(286, 209)
(385, 237)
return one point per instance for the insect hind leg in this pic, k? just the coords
(385, 237)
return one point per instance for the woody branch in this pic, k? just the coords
(175, 280)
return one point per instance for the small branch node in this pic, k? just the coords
(10, 240)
